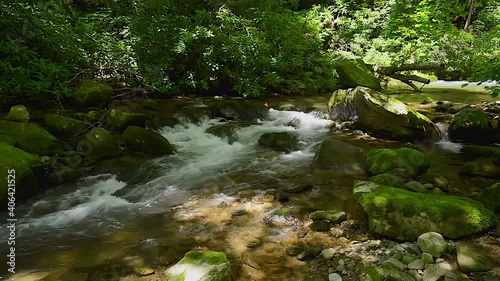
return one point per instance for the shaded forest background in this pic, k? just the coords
(239, 47)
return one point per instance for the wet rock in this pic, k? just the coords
(302, 232)
(385, 273)
(144, 140)
(427, 258)
(490, 197)
(62, 173)
(283, 141)
(239, 110)
(203, 266)
(394, 263)
(407, 259)
(328, 253)
(120, 120)
(310, 253)
(416, 264)
(435, 179)
(334, 277)
(470, 125)
(412, 214)
(354, 73)
(21, 162)
(333, 217)
(433, 243)
(18, 113)
(340, 157)
(224, 131)
(483, 167)
(99, 143)
(380, 115)
(92, 93)
(404, 162)
(472, 258)
(396, 254)
(415, 186)
(63, 125)
(428, 100)
(457, 108)
(443, 106)
(294, 251)
(31, 138)
(433, 273)
(320, 226)
(475, 151)
(299, 188)
(388, 179)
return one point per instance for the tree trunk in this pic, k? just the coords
(469, 16)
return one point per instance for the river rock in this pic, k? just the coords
(475, 151)
(404, 162)
(490, 197)
(405, 215)
(99, 143)
(333, 217)
(282, 141)
(144, 140)
(31, 138)
(201, 266)
(388, 179)
(18, 113)
(470, 125)
(320, 226)
(433, 243)
(354, 73)
(119, 120)
(62, 173)
(334, 277)
(415, 186)
(239, 110)
(483, 167)
(380, 115)
(150, 104)
(21, 162)
(472, 258)
(427, 258)
(433, 272)
(457, 108)
(92, 93)
(340, 157)
(396, 264)
(224, 131)
(435, 179)
(380, 273)
(63, 125)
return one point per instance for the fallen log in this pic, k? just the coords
(408, 79)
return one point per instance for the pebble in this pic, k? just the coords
(334, 277)
(328, 253)
(416, 264)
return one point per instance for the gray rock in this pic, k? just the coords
(433, 243)
(472, 258)
(427, 258)
(416, 264)
(334, 277)
(328, 253)
(433, 273)
(415, 186)
(394, 263)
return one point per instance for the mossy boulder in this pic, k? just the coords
(26, 182)
(18, 113)
(476, 151)
(403, 162)
(470, 125)
(435, 179)
(63, 125)
(201, 266)
(482, 167)
(92, 93)
(62, 173)
(381, 115)
(282, 141)
(385, 273)
(31, 138)
(144, 140)
(388, 179)
(490, 197)
(340, 157)
(474, 258)
(354, 73)
(224, 131)
(7, 139)
(99, 143)
(405, 215)
(119, 120)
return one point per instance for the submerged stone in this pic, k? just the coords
(201, 266)
(483, 167)
(340, 158)
(331, 216)
(405, 215)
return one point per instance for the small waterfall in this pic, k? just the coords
(445, 142)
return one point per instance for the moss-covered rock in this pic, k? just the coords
(144, 140)
(239, 110)
(92, 93)
(435, 179)
(201, 266)
(340, 157)
(388, 179)
(7, 139)
(482, 167)
(224, 131)
(428, 100)
(405, 215)
(404, 162)
(26, 182)
(470, 125)
(18, 113)
(354, 73)
(328, 215)
(62, 173)
(385, 273)
(490, 197)
(63, 125)
(282, 141)
(381, 115)
(120, 120)
(31, 137)
(472, 258)
(475, 151)
(99, 143)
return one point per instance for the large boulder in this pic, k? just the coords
(340, 157)
(403, 162)
(473, 258)
(354, 73)
(92, 93)
(119, 120)
(282, 141)
(381, 115)
(63, 125)
(476, 151)
(18, 113)
(240, 110)
(405, 215)
(99, 143)
(490, 197)
(470, 125)
(31, 138)
(482, 167)
(19, 161)
(201, 266)
(144, 140)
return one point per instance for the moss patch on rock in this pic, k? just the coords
(385, 273)
(63, 125)
(470, 125)
(31, 138)
(388, 179)
(404, 215)
(18, 113)
(476, 151)
(99, 143)
(92, 93)
(482, 167)
(201, 266)
(121, 119)
(354, 73)
(340, 157)
(405, 162)
(490, 197)
(144, 140)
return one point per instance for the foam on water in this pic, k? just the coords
(445, 142)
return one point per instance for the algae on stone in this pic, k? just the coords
(18, 113)
(340, 158)
(490, 197)
(92, 93)
(99, 143)
(354, 73)
(201, 266)
(404, 162)
(63, 125)
(31, 137)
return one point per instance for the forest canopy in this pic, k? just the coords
(240, 47)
